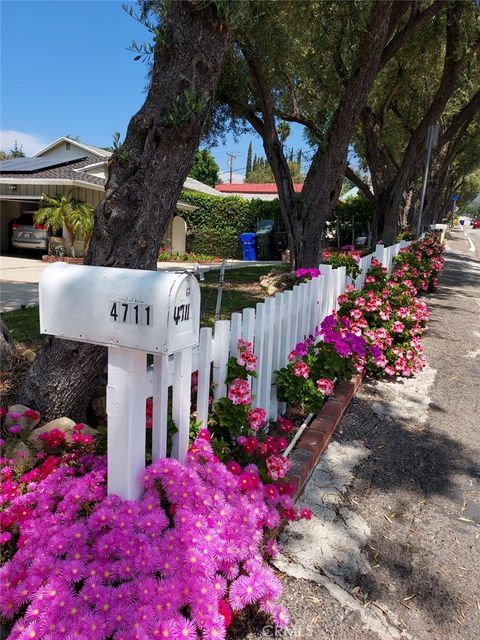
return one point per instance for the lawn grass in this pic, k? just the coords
(24, 325)
(241, 289)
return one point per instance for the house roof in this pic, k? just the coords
(253, 187)
(191, 184)
(51, 169)
(97, 151)
(65, 170)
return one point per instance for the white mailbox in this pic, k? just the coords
(152, 311)
(133, 313)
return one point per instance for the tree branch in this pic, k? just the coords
(358, 182)
(461, 119)
(299, 119)
(416, 20)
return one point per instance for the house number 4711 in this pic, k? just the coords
(131, 313)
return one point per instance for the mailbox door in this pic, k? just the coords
(184, 314)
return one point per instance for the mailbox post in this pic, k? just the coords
(133, 313)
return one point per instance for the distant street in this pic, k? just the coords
(474, 235)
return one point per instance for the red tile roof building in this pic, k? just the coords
(262, 190)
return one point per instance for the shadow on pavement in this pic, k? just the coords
(14, 295)
(408, 465)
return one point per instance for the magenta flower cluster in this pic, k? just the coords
(307, 274)
(172, 565)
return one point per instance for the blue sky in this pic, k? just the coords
(66, 69)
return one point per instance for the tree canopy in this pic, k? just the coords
(204, 167)
(433, 78)
(314, 64)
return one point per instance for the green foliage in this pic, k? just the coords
(24, 324)
(120, 152)
(323, 361)
(351, 218)
(204, 168)
(16, 152)
(235, 370)
(224, 242)
(249, 161)
(185, 108)
(261, 171)
(217, 221)
(60, 211)
(232, 212)
(231, 417)
(344, 259)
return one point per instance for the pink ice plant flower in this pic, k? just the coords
(90, 565)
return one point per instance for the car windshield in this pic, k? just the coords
(26, 220)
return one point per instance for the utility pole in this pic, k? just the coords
(230, 160)
(432, 140)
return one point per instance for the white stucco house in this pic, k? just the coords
(69, 166)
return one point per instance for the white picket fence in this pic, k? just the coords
(274, 327)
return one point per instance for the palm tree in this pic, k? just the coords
(64, 211)
(82, 216)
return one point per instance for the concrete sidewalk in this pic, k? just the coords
(19, 277)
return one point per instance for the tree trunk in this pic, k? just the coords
(145, 179)
(411, 164)
(71, 241)
(324, 179)
(6, 344)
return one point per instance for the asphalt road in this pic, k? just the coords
(474, 236)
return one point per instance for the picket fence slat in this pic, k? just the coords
(264, 382)
(248, 324)
(235, 332)
(221, 345)
(180, 409)
(287, 340)
(160, 406)
(258, 349)
(204, 367)
(277, 350)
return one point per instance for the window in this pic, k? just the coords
(67, 146)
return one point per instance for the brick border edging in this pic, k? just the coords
(317, 435)
(67, 259)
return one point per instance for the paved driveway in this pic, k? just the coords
(19, 279)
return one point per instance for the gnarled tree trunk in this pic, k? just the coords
(6, 345)
(145, 180)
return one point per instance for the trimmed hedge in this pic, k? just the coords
(217, 222)
(223, 243)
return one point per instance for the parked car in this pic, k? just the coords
(28, 235)
(476, 223)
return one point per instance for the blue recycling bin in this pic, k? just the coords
(248, 245)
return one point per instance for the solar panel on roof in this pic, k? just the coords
(30, 165)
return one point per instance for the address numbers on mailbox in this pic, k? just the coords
(131, 313)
